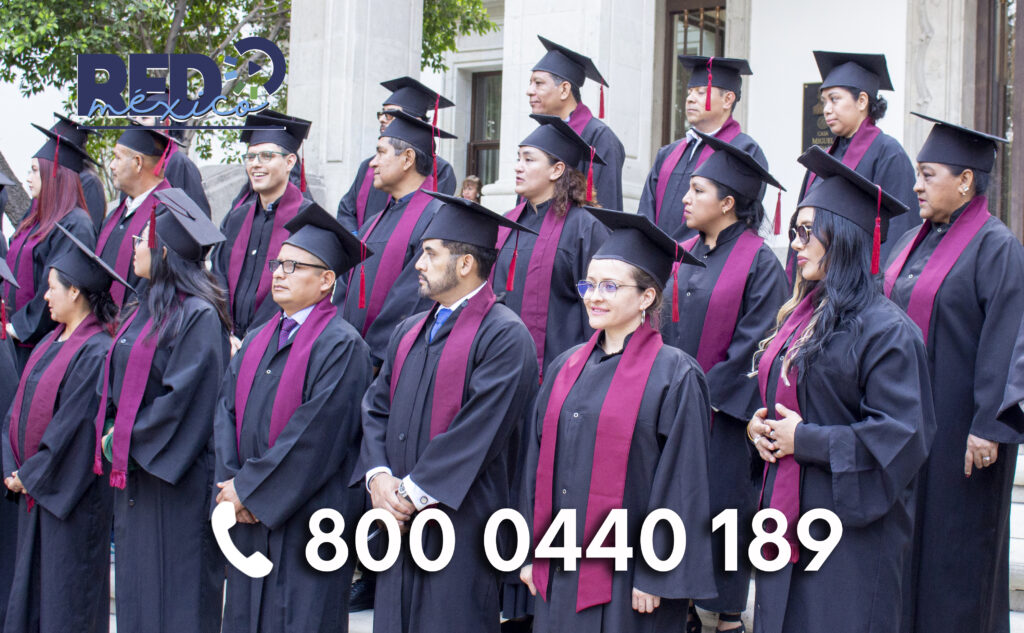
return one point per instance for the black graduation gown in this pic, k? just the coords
(118, 234)
(245, 314)
(667, 468)
(582, 235)
(960, 572)
(868, 423)
(294, 177)
(466, 468)
(95, 197)
(183, 174)
(734, 395)
(8, 503)
(671, 219)
(32, 321)
(377, 199)
(607, 177)
(169, 572)
(308, 468)
(62, 572)
(403, 298)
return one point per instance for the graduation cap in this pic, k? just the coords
(952, 144)
(182, 225)
(847, 193)
(5, 181)
(639, 242)
(61, 151)
(739, 171)
(720, 72)
(571, 66)
(71, 130)
(318, 232)
(86, 269)
(414, 97)
(288, 132)
(865, 72)
(148, 142)
(417, 133)
(555, 137)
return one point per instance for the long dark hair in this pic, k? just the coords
(172, 279)
(847, 288)
(59, 195)
(100, 303)
(570, 189)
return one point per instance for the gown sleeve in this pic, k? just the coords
(347, 205)
(376, 407)
(648, 196)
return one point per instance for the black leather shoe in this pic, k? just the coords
(360, 595)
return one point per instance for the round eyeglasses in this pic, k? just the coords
(607, 287)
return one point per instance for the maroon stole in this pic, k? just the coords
(451, 367)
(123, 262)
(859, 144)
(615, 426)
(729, 131)
(392, 261)
(364, 196)
(286, 210)
(537, 288)
(19, 260)
(288, 396)
(726, 299)
(579, 119)
(40, 410)
(136, 377)
(786, 488)
(922, 297)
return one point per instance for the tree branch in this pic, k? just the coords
(180, 9)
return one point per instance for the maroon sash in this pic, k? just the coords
(451, 367)
(729, 131)
(579, 118)
(726, 299)
(123, 261)
(392, 261)
(286, 210)
(364, 196)
(859, 144)
(786, 488)
(19, 260)
(615, 426)
(136, 377)
(922, 297)
(288, 396)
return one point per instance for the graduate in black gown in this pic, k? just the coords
(441, 423)
(299, 379)
(847, 418)
(158, 398)
(550, 260)
(8, 506)
(92, 186)
(254, 228)
(852, 106)
(960, 277)
(621, 422)
(725, 310)
(711, 98)
(382, 291)
(62, 573)
(554, 89)
(362, 201)
(36, 244)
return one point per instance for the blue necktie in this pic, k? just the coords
(442, 316)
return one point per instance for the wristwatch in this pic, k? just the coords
(402, 493)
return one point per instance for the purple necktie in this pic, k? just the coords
(287, 325)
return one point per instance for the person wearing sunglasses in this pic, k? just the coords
(362, 201)
(846, 422)
(621, 421)
(287, 432)
(724, 310)
(960, 277)
(254, 228)
(158, 396)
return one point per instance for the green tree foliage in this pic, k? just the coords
(445, 20)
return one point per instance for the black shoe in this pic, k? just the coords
(360, 595)
(732, 617)
(693, 622)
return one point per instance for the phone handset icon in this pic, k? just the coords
(255, 565)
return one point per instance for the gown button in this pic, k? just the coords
(564, 491)
(253, 252)
(575, 414)
(401, 437)
(268, 372)
(910, 276)
(131, 503)
(687, 293)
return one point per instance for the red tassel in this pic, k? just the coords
(29, 503)
(302, 172)
(362, 288)
(433, 134)
(675, 290)
(3, 320)
(876, 242)
(56, 154)
(510, 282)
(590, 178)
(778, 214)
(707, 94)
(163, 158)
(152, 227)
(600, 113)
(118, 479)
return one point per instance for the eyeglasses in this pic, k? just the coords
(804, 232)
(265, 157)
(136, 240)
(387, 114)
(288, 265)
(607, 287)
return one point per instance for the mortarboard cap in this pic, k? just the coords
(568, 64)
(85, 268)
(319, 233)
(413, 96)
(952, 144)
(145, 141)
(5, 181)
(555, 137)
(464, 221)
(6, 274)
(720, 72)
(287, 131)
(865, 72)
(414, 131)
(62, 151)
(183, 226)
(734, 168)
(71, 130)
